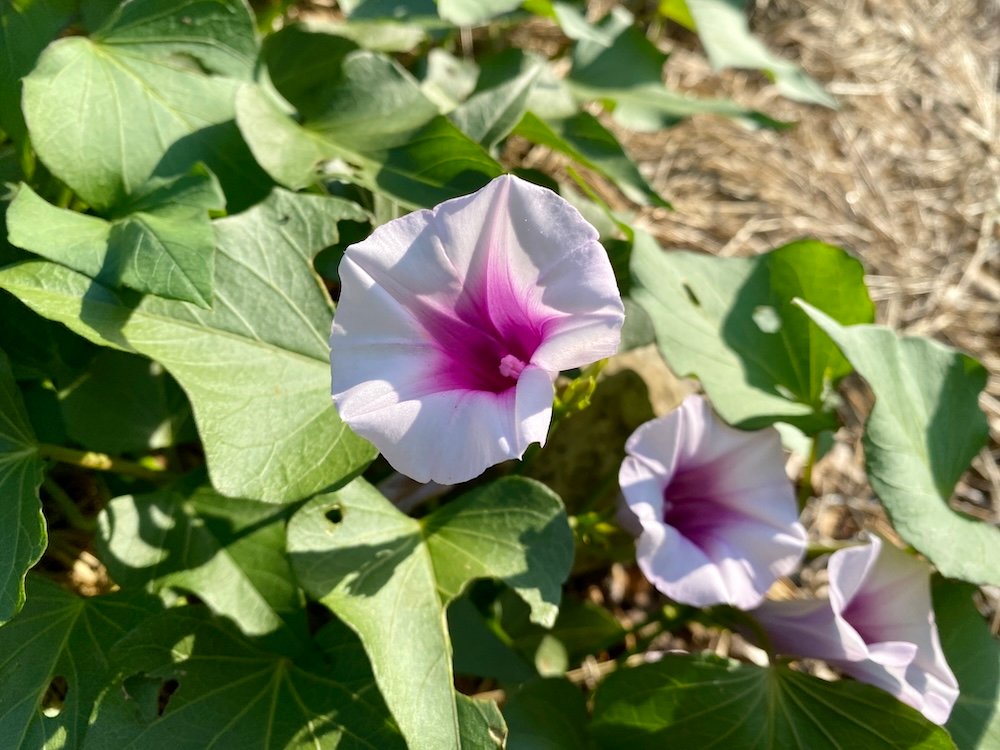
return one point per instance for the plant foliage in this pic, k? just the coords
(182, 178)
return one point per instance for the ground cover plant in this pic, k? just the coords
(218, 216)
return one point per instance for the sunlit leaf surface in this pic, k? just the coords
(255, 367)
(161, 242)
(374, 126)
(130, 87)
(390, 578)
(731, 323)
(922, 433)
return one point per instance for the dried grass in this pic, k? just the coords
(906, 174)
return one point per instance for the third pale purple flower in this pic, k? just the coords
(454, 322)
(719, 523)
(877, 626)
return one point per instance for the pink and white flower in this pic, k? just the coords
(877, 626)
(454, 322)
(718, 517)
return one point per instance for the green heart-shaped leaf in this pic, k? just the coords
(230, 553)
(256, 367)
(154, 74)
(704, 701)
(390, 578)
(731, 323)
(59, 638)
(190, 681)
(376, 128)
(161, 242)
(22, 527)
(923, 431)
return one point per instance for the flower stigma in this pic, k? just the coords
(511, 367)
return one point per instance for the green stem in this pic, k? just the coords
(737, 620)
(101, 462)
(814, 550)
(805, 484)
(68, 508)
(664, 619)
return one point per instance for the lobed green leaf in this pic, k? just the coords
(923, 431)
(160, 242)
(189, 681)
(390, 577)
(731, 323)
(707, 702)
(255, 367)
(375, 128)
(59, 635)
(22, 527)
(230, 553)
(131, 87)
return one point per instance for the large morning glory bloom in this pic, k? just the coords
(719, 522)
(877, 626)
(454, 322)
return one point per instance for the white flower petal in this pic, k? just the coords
(532, 407)
(453, 323)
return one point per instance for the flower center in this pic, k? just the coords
(511, 366)
(691, 505)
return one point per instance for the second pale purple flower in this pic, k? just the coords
(453, 324)
(717, 518)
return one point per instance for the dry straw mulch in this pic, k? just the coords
(906, 175)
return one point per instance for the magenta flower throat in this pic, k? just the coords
(454, 322)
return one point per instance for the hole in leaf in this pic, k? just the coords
(167, 689)
(55, 696)
(335, 514)
(691, 295)
(284, 219)
(767, 319)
